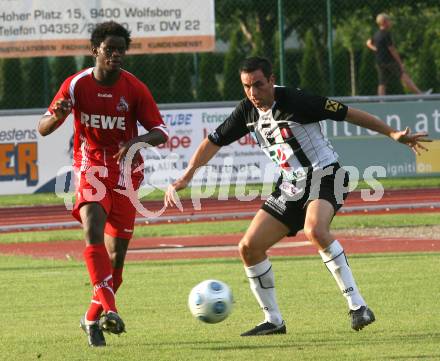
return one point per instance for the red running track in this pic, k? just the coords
(427, 199)
(162, 248)
(224, 245)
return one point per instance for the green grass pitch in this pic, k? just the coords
(42, 301)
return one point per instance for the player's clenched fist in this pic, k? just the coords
(61, 108)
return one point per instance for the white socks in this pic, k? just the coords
(334, 259)
(262, 284)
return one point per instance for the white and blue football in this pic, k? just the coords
(210, 301)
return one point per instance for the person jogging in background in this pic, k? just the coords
(107, 102)
(388, 62)
(311, 189)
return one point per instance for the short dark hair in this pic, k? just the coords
(254, 63)
(109, 28)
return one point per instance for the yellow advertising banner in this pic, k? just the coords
(429, 162)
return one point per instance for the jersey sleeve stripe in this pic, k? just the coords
(75, 80)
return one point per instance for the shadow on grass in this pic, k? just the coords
(330, 342)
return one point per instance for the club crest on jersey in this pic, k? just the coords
(270, 136)
(122, 106)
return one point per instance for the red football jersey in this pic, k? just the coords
(106, 117)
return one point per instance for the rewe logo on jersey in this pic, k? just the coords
(102, 121)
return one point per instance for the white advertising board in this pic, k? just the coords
(28, 161)
(31, 28)
(238, 163)
(31, 163)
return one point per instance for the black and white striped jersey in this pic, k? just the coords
(289, 133)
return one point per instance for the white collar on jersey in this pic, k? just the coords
(261, 112)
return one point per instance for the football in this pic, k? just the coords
(210, 301)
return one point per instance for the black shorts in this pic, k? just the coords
(386, 72)
(288, 202)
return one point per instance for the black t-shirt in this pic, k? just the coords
(382, 40)
(290, 133)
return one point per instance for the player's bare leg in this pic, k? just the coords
(317, 229)
(409, 83)
(263, 232)
(93, 219)
(117, 250)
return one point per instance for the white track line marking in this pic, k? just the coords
(181, 248)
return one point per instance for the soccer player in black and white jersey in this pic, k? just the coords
(310, 190)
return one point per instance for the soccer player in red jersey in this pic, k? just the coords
(107, 102)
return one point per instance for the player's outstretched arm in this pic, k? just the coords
(412, 140)
(48, 123)
(203, 154)
(369, 121)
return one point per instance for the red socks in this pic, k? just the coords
(95, 308)
(100, 272)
